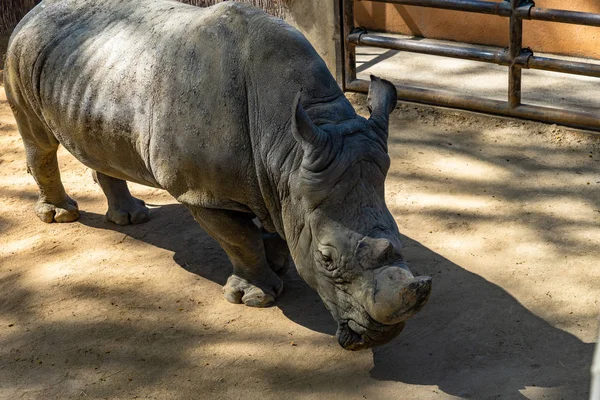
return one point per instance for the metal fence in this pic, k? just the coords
(515, 57)
(595, 395)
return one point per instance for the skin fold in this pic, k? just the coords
(234, 114)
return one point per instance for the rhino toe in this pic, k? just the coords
(133, 212)
(66, 211)
(255, 294)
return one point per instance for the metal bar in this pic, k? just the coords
(564, 16)
(564, 66)
(514, 51)
(475, 6)
(475, 53)
(470, 103)
(502, 9)
(349, 49)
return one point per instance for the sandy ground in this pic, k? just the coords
(505, 215)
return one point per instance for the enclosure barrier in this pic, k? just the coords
(595, 394)
(516, 58)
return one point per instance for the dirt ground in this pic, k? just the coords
(505, 215)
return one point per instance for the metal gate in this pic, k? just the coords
(515, 58)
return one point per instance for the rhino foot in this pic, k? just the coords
(123, 208)
(253, 294)
(134, 211)
(65, 211)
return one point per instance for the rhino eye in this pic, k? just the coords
(327, 260)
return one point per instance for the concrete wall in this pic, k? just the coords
(485, 29)
(319, 21)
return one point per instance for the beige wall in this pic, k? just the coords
(319, 21)
(485, 29)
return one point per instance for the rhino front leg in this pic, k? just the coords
(253, 282)
(123, 208)
(277, 251)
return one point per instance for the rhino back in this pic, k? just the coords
(125, 85)
(196, 101)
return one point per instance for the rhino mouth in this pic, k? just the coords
(353, 336)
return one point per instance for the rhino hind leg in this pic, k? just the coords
(123, 208)
(277, 252)
(53, 205)
(252, 282)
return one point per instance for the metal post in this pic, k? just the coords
(595, 395)
(514, 50)
(349, 48)
(340, 41)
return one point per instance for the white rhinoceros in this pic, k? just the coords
(235, 114)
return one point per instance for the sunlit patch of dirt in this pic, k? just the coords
(503, 214)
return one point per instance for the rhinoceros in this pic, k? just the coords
(235, 114)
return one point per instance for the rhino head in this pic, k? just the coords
(348, 246)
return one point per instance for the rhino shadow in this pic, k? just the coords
(173, 228)
(472, 340)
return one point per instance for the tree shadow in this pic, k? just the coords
(473, 339)
(521, 165)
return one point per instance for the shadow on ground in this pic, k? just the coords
(473, 339)
(299, 302)
(95, 314)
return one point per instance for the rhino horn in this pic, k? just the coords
(397, 295)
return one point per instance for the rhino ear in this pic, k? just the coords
(381, 101)
(304, 130)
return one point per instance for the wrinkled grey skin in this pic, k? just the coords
(234, 114)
